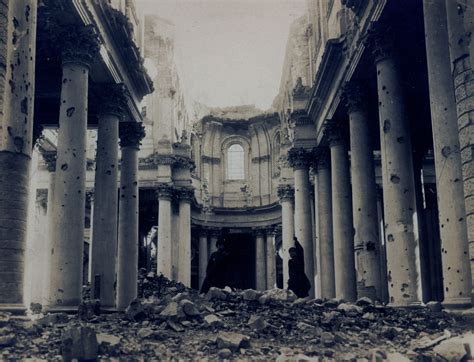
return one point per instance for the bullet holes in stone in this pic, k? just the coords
(390, 238)
(108, 172)
(64, 166)
(70, 111)
(401, 139)
(394, 179)
(135, 183)
(446, 151)
(19, 144)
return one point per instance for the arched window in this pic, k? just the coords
(235, 162)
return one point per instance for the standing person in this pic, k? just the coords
(298, 282)
(216, 268)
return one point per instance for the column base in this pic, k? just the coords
(457, 303)
(18, 309)
(68, 309)
(411, 305)
(108, 310)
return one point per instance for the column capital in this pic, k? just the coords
(111, 98)
(286, 193)
(42, 197)
(49, 158)
(164, 191)
(202, 232)
(299, 158)
(335, 133)
(131, 133)
(90, 196)
(354, 96)
(184, 194)
(381, 42)
(259, 231)
(270, 230)
(77, 44)
(323, 157)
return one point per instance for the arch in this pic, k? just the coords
(225, 145)
(276, 153)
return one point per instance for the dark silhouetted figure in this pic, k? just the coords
(298, 282)
(216, 271)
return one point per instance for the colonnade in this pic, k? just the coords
(115, 235)
(349, 237)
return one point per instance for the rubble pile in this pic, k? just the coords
(171, 321)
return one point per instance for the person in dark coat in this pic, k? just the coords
(298, 282)
(216, 271)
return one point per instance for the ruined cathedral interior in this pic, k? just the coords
(112, 180)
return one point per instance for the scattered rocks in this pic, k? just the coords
(250, 295)
(216, 294)
(136, 311)
(224, 353)
(457, 348)
(257, 323)
(232, 341)
(189, 308)
(434, 306)
(79, 343)
(213, 321)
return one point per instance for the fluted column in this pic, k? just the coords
(299, 159)
(453, 231)
(113, 103)
(343, 234)
(364, 195)
(164, 193)
(18, 41)
(286, 193)
(185, 195)
(398, 178)
(260, 268)
(203, 256)
(325, 224)
(79, 46)
(270, 258)
(460, 22)
(131, 134)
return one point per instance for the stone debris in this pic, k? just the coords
(170, 321)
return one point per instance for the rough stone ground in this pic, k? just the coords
(172, 322)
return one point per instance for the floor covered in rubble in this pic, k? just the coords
(172, 322)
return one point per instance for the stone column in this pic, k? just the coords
(460, 38)
(112, 102)
(270, 259)
(131, 133)
(383, 252)
(364, 194)
(260, 278)
(165, 249)
(18, 48)
(343, 230)
(203, 256)
(299, 159)
(453, 231)
(185, 195)
(398, 178)
(286, 194)
(79, 46)
(325, 226)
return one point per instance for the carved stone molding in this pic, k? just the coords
(164, 191)
(259, 231)
(271, 230)
(211, 160)
(300, 118)
(261, 159)
(131, 134)
(299, 158)
(184, 162)
(286, 193)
